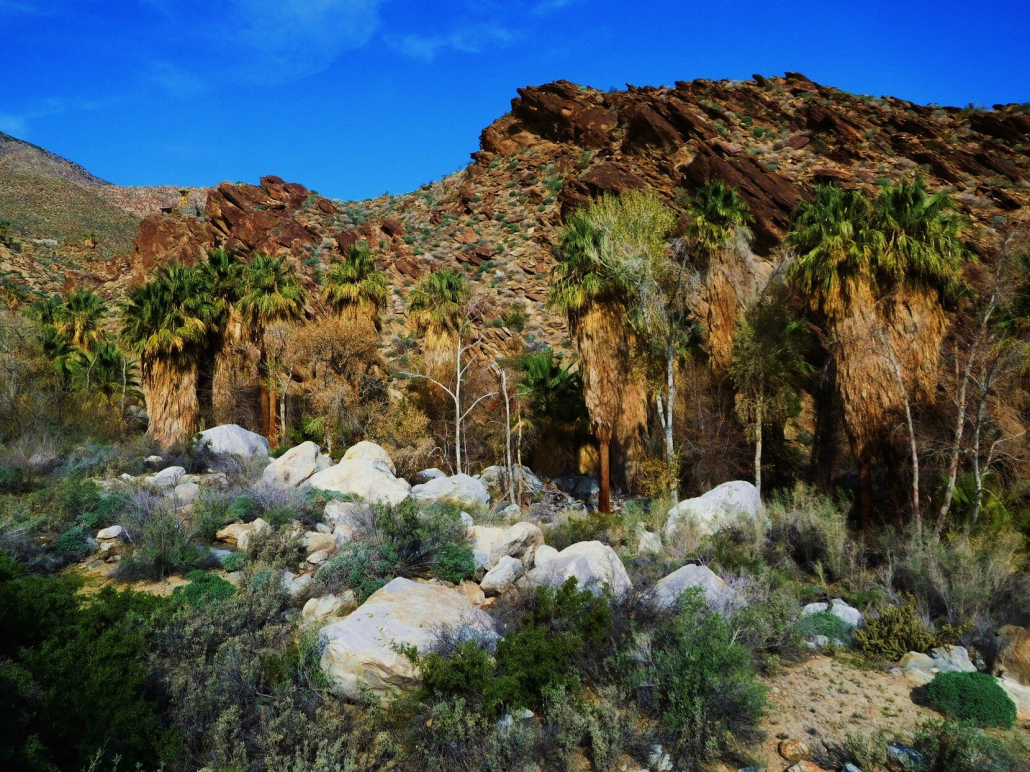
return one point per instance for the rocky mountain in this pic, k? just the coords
(774, 138)
(61, 217)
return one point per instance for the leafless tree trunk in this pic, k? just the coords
(670, 401)
(507, 437)
(758, 444)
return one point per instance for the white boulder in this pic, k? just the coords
(649, 543)
(458, 489)
(329, 606)
(241, 534)
(483, 539)
(371, 479)
(428, 474)
(233, 440)
(316, 541)
(369, 451)
(723, 505)
(350, 520)
(838, 608)
(667, 591)
(186, 493)
(166, 478)
(110, 533)
(594, 565)
(363, 648)
(496, 477)
(545, 553)
(502, 577)
(518, 541)
(295, 466)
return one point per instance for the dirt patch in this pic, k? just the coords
(99, 575)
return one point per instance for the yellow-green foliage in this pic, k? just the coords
(897, 631)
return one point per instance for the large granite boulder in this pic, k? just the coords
(295, 466)
(459, 489)
(594, 565)
(363, 648)
(1012, 654)
(502, 577)
(667, 591)
(233, 440)
(838, 608)
(724, 505)
(518, 541)
(367, 473)
(495, 477)
(240, 535)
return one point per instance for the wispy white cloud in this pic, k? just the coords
(473, 39)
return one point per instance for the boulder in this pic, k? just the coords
(502, 577)
(579, 486)
(724, 505)
(467, 520)
(240, 534)
(483, 538)
(496, 476)
(329, 606)
(186, 493)
(373, 481)
(519, 541)
(426, 475)
(459, 489)
(363, 648)
(110, 533)
(350, 520)
(649, 544)
(838, 608)
(233, 440)
(1012, 658)
(594, 565)
(315, 541)
(369, 451)
(296, 586)
(667, 591)
(952, 659)
(318, 557)
(511, 512)
(545, 553)
(295, 466)
(1019, 694)
(166, 478)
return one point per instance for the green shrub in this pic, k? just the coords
(234, 561)
(455, 563)
(894, 633)
(209, 514)
(73, 544)
(13, 480)
(961, 747)
(363, 568)
(697, 684)
(243, 507)
(974, 697)
(203, 588)
(74, 676)
(538, 653)
(767, 623)
(281, 548)
(828, 624)
(279, 516)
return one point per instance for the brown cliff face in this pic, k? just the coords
(561, 144)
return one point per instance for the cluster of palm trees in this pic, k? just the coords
(82, 351)
(185, 315)
(875, 271)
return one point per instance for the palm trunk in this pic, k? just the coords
(758, 445)
(865, 494)
(273, 411)
(670, 393)
(604, 497)
(263, 399)
(170, 390)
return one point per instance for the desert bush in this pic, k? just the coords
(828, 624)
(767, 621)
(405, 540)
(896, 631)
(73, 544)
(203, 588)
(811, 530)
(281, 548)
(960, 747)
(697, 682)
(974, 697)
(73, 675)
(162, 542)
(403, 430)
(574, 527)
(540, 651)
(959, 582)
(867, 752)
(234, 562)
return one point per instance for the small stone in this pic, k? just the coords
(793, 750)
(318, 557)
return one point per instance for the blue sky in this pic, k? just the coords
(356, 97)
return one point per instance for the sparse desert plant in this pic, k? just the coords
(948, 746)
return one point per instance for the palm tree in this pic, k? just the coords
(438, 309)
(225, 357)
(270, 292)
(354, 287)
(594, 302)
(876, 273)
(166, 322)
(105, 372)
(718, 232)
(79, 317)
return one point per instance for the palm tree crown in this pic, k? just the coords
(355, 282)
(578, 276)
(438, 302)
(170, 314)
(270, 291)
(79, 317)
(843, 240)
(716, 217)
